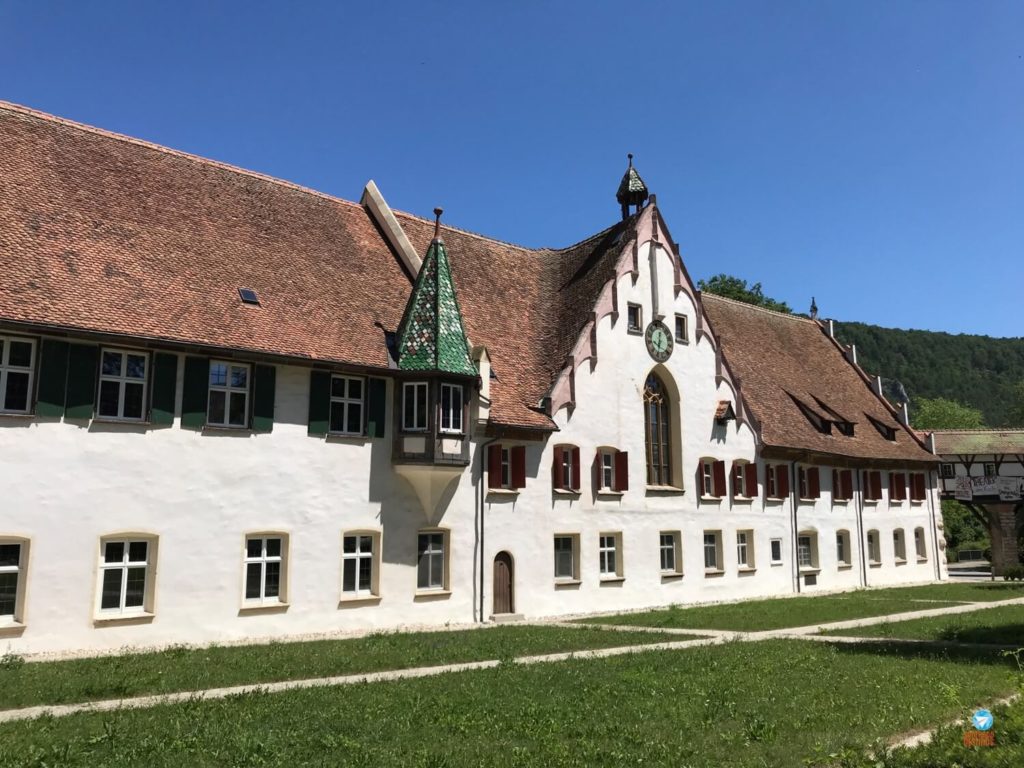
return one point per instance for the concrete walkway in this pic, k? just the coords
(704, 637)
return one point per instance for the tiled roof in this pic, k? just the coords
(108, 234)
(103, 233)
(979, 441)
(431, 336)
(528, 307)
(779, 359)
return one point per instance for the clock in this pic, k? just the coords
(659, 341)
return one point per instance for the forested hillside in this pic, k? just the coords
(979, 371)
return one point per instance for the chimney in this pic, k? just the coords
(851, 353)
(831, 329)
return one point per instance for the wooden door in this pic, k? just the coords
(503, 584)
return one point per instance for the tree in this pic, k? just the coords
(962, 528)
(734, 288)
(940, 413)
(1016, 416)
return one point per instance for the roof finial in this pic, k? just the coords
(814, 309)
(437, 223)
(630, 156)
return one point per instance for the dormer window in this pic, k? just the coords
(414, 406)
(819, 422)
(887, 431)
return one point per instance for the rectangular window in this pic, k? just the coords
(922, 553)
(431, 561)
(610, 564)
(264, 564)
(776, 551)
(681, 334)
(123, 377)
(990, 469)
(669, 545)
(124, 576)
(634, 318)
(10, 580)
(804, 553)
(712, 561)
(707, 478)
(565, 469)
(770, 484)
(607, 470)
(229, 395)
(874, 550)
(843, 547)
(506, 467)
(414, 406)
(565, 558)
(745, 550)
(899, 546)
(918, 487)
(358, 559)
(946, 471)
(17, 362)
(347, 405)
(451, 408)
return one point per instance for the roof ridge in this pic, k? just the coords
(594, 236)
(85, 128)
(477, 235)
(978, 429)
(789, 316)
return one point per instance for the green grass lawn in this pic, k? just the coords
(779, 613)
(773, 703)
(1004, 625)
(190, 669)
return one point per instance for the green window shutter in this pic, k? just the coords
(264, 382)
(195, 392)
(376, 407)
(319, 402)
(165, 384)
(53, 378)
(80, 401)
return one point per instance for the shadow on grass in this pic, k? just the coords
(1002, 634)
(922, 651)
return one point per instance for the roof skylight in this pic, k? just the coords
(249, 296)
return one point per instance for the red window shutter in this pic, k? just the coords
(622, 471)
(718, 472)
(847, 477)
(837, 488)
(556, 467)
(494, 466)
(595, 471)
(919, 487)
(813, 482)
(876, 485)
(575, 468)
(781, 481)
(517, 461)
(894, 491)
(750, 472)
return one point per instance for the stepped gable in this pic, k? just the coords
(527, 306)
(777, 358)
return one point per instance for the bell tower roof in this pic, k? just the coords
(632, 190)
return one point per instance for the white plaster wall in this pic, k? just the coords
(68, 484)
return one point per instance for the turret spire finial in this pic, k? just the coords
(437, 223)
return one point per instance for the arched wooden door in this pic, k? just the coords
(504, 580)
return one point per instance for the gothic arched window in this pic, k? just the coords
(657, 432)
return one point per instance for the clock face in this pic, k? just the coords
(659, 341)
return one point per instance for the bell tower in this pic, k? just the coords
(632, 190)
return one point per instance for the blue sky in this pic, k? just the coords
(870, 154)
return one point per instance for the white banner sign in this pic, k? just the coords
(1006, 488)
